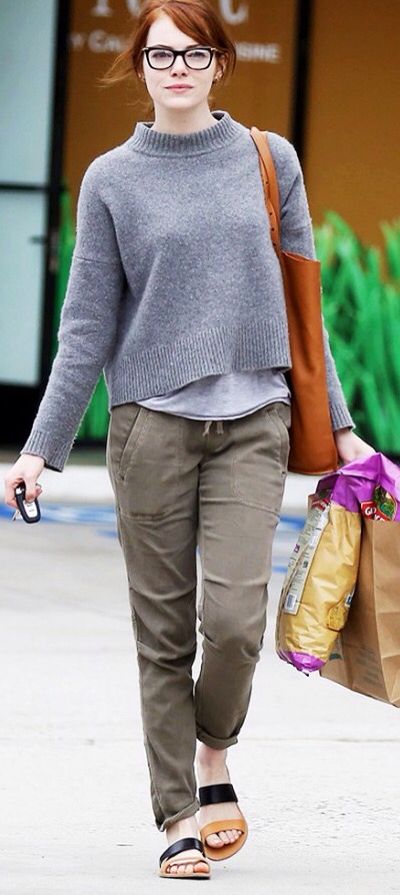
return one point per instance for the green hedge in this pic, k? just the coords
(361, 304)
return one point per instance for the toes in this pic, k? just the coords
(199, 866)
(214, 840)
(202, 866)
(224, 837)
(175, 868)
(235, 834)
(230, 834)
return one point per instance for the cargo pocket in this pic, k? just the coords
(126, 426)
(280, 413)
(150, 466)
(260, 457)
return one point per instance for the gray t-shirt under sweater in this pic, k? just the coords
(174, 278)
(227, 396)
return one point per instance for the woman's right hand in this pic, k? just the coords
(27, 469)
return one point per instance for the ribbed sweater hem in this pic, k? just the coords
(340, 417)
(56, 453)
(163, 368)
(45, 445)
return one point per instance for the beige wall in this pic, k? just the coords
(352, 146)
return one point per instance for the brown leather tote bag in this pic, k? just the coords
(312, 444)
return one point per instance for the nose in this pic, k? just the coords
(179, 67)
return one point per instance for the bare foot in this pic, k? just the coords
(179, 830)
(211, 768)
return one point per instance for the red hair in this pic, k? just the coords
(197, 18)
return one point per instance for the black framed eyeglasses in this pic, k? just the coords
(193, 57)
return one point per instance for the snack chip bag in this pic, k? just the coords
(322, 571)
(319, 584)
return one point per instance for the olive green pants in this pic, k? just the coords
(180, 482)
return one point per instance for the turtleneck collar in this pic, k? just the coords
(151, 142)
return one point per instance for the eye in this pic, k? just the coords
(160, 54)
(198, 54)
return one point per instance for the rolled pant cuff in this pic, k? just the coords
(215, 742)
(185, 812)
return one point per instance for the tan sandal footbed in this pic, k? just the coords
(171, 856)
(214, 794)
(220, 852)
(197, 874)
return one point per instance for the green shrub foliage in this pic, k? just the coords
(361, 306)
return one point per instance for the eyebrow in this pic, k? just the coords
(168, 47)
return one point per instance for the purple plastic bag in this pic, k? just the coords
(370, 486)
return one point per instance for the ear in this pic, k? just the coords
(221, 66)
(218, 75)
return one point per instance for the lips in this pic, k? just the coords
(179, 87)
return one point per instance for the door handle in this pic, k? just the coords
(52, 240)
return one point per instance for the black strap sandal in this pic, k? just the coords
(166, 859)
(211, 795)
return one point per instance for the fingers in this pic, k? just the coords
(30, 494)
(26, 472)
(9, 497)
(32, 489)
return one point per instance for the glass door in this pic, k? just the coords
(27, 50)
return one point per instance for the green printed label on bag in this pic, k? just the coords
(382, 506)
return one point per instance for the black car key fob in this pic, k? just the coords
(30, 512)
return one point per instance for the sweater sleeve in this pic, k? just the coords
(87, 328)
(297, 236)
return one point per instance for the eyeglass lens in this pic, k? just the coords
(162, 58)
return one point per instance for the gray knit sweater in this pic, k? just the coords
(174, 276)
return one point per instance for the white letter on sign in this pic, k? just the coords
(234, 18)
(102, 8)
(133, 6)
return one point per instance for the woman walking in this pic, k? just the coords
(176, 292)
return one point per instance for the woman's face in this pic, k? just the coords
(159, 83)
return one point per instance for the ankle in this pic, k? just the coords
(208, 759)
(187, 826)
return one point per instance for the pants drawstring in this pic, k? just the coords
(208, 424)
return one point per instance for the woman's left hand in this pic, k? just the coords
(350, 447)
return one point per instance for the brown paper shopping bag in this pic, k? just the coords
(366, 655)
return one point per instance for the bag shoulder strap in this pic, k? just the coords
(270, 184)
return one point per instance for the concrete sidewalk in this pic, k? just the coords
(316, 768)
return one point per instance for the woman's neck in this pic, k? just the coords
(171, 121)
